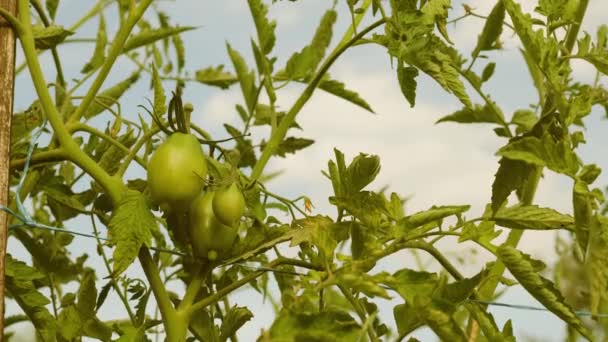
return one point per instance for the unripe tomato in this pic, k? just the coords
(176, 171)
(210, 238)
(229, 205)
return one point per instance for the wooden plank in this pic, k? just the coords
(7, 82)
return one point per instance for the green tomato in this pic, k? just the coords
(210, 238)
(176, 171)
(229, 205)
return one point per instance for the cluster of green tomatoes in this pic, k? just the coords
(177, 173)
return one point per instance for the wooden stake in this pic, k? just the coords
(7, 82)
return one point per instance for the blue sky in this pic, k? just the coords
(431, 164)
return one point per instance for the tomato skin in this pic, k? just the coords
(229, 205)
(210, 238)
(176, 171)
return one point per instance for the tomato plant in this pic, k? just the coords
(324, 273)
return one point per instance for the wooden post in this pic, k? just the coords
(7, 82)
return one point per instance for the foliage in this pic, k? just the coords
(331, 289)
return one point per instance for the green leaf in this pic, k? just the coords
(110, 96)
(328, 325)
(367, 206)
(362, 282)
(596, 268)
(531, 40)
(264, 27)
(159, 94)
(488, 71)
(291, 145)
(361, 172)
(99, 54)
(180, 51)
(235, 318)
(435, 213)
(484, 232)
(47, 37)
(407, 318)
(556, 155)
(437, 11)
(305, 62)
(532, 217)
(87, 295)
(150, 36)
(582, 203)
(18, 282)
(130, 228)
(488, 324)
(316, 230)
(521, 267)
(216, 76)
(492, 29)
(511, 176)
(410, 283)
(51, 7)
(476, 114)
(245, 76)
(338, 89)
(525, 119)
(407, 82)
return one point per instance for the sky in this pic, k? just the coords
(430, 164)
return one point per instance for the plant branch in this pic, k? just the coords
(115, 51)
(71, 148)
(287, 121)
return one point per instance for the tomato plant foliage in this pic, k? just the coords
(202, 214)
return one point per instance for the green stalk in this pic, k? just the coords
(70, 147)
(279, 134)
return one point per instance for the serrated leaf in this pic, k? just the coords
(87, 296)
(511, 176)
(596, 269)
(18, 283)
(216, 76)
(361, 172)
(532, 217)
(367, 206)
(542, 289)
(531, 40)
(435, 213)
(475, 114)
(108, 97)
(180, 51)
(234, 319)
(363, 282)
(305, 62)
(150, 36)
(291, 145)
(411, 283)
(338, 89)
(103, 294)
(159, 94)
(130, 229)
(317, 231)
(264, 27)
(99, 54)
(556, 155)
(51, 7)
(245, 76)
(328, 325)
(488, 71)
(47, 37)
(582, 203)
(407, 82)
(492, 29)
